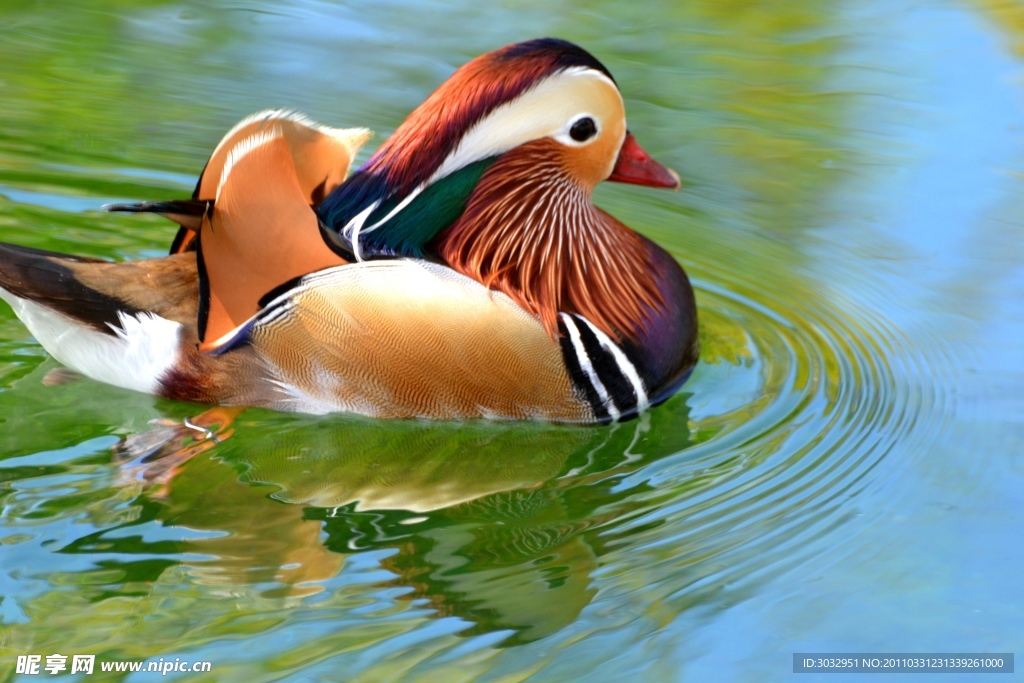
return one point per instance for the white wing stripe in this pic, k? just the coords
(401, 205)
(244, 147)
(352, 228)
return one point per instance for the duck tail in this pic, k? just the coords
(48, 279)
(118, 323)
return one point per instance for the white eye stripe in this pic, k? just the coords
(539, 112)
(581, 117)
(544, 110)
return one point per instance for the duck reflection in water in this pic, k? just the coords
(500, 524)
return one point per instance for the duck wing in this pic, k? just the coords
(322, 157)
(251, 220)
(391, 338)
(408, 338)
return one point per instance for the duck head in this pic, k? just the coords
(493, 174)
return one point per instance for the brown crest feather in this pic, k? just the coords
(433, 131)
(531, 232)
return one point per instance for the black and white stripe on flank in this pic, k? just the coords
(600, 368)
(626, 368)
(578, 350)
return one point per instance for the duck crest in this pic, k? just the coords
(531, 232)
(387, 207)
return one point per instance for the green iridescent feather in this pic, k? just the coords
(436, 208)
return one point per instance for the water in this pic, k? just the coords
(841, 473)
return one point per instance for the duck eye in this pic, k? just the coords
(583, 130)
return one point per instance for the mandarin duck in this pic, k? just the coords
(462, 271)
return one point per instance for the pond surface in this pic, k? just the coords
(843, 471)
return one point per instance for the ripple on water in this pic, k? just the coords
(797, 433)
